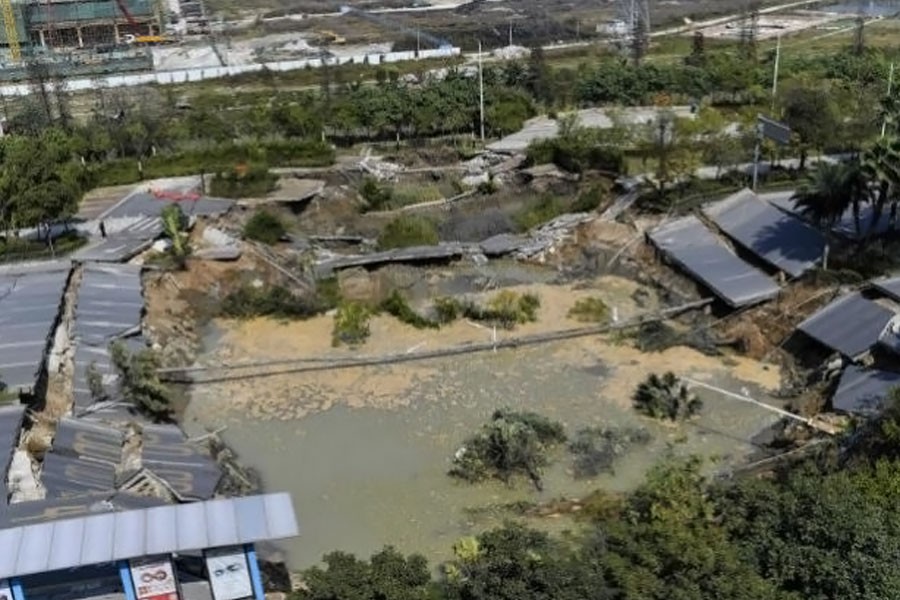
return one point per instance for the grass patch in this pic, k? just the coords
(538, 212)
(351, 324)
(276, 301)
(590, 310)
(17, 249)
(264, 227)
(407, 231)
(505, 309)
(254, 181)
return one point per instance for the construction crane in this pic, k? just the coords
(391, 24)
(12, 32)
(148, 40)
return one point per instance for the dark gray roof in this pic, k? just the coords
(689, 244)
(783, 241)
(82, 439)
(10, 426)
(862, 391)
(30, 301)
(109, 305)
(123, 244)
(889, 286)
(185, 467)
(108, 537)
(144, 204)
(503, 243)
(412, 254)
(63, 475)
(850, 325)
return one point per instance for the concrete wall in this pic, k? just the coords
(191, 75)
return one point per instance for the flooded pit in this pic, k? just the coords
(366, 471)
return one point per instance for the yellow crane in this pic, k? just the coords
(12, 33)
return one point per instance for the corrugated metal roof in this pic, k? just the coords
(689, 244)
(123, 242)
(10, 426)
(190, 472)
(785, 242)
(889, 286)
(850, 325)
(30, 298)
(862, 391)
(109, 537)
(143, 204)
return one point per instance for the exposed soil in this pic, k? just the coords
(293, 396)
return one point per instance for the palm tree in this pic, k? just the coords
(881, 166)
(831, 190)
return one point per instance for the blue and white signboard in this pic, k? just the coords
(5, 591)
(229, 575)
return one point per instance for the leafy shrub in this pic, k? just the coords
(576, 154)
(511, 443)
(264, 227)
(591, 199)
(507, 309)
(351, 324)
(666, 397)
(596, 448)
(590, 310)
(248, 302)
(397, 306)
(447, 310)
(376, 195)
(244, 182)
(140, 382)
(406, 231)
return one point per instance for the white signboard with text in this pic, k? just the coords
(154, 579)
(5, 591)
(229, 574)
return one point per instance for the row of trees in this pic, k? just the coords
(828, 529)
(153, 132)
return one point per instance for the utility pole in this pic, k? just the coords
(889, 90)
(418, 44)
(510, 32)
(480, 92)
(775, 72)
(756, 152)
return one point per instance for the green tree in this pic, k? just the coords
(388, 575)
(831, 190)
(139, 381)
(811, 115)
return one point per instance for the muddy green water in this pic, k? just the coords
(363, 478)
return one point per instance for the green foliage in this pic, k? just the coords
(397, 306)
(590, 310)
(665, 397)
(377, 196)
(140, 382)
(511, 443)
(387, 575)
(591, 199)
(175, 223)
(446, 309)
(406, 231)
(249, 301)
(254, 181)
(576, 149)
(595, 449)
(351, 324)
(20, 249)
(538, 212)
(95, 383)
(264, 227)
